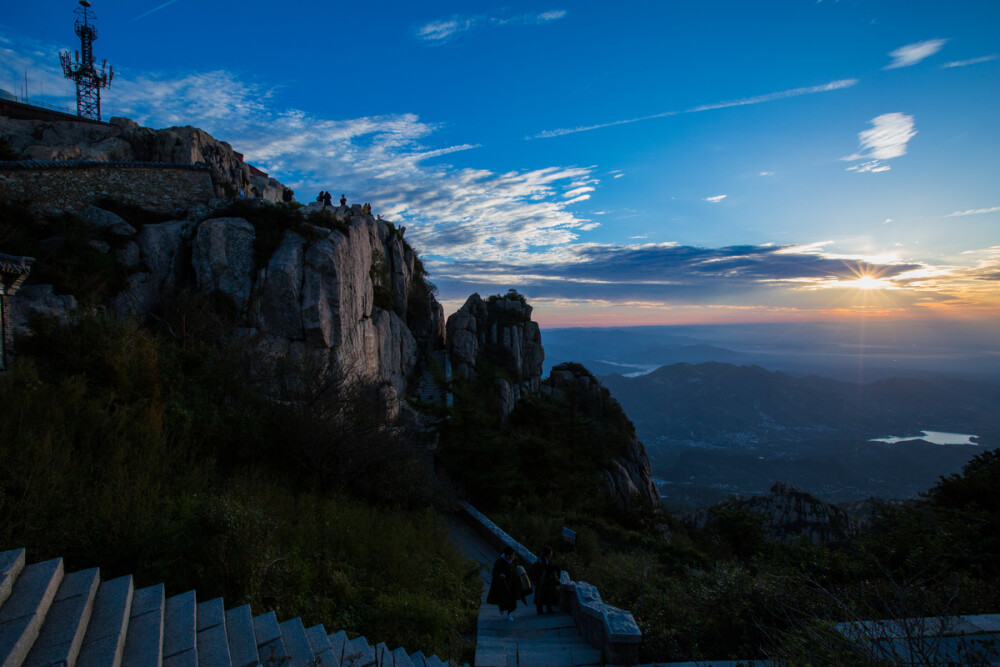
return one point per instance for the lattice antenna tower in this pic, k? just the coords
(89, 80)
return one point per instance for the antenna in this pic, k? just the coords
(89, 80)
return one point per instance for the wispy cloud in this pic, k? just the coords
(759, 99)
(715, 199)
(971, 61)
(440, 31)
(390, 160)
(154, 9)
(911, 54)
(885, 140)
(975, 211)
(766, 173)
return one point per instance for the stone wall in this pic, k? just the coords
(53, 187)
(610, 629)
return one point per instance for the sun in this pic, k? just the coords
(870, 282)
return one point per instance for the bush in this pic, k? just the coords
(155, 456)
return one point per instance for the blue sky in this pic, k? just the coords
(619, 163)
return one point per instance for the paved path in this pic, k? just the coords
(530, 640)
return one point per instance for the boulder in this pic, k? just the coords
(34, 300)
(222, 256)
(101, 220)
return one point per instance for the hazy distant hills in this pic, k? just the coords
(720, 400)
(851, 351)
(716, 428)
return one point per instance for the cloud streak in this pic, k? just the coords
(444, 30)
(911, 54)
(975, 211)
(885, 140)
(154, 9)
(759, 99)
(971, 61)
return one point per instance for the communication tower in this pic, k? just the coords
(89, 80)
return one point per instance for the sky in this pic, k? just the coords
(626, 163)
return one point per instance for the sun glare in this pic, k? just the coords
(870, 282)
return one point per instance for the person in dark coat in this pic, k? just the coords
(501, 588)
(545, 576)
(326, 199)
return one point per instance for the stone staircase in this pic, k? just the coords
(429, 389)
(49, 617)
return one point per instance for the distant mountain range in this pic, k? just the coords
(859, 351)
(714, 428)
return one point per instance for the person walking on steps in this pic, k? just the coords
(501, 588)
(545, 574)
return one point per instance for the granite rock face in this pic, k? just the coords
(498, 330)
(628, 476)
(787, 515)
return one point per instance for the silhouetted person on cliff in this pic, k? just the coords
(501, 588)
(545, 575)
(343, 200)
(327, 199)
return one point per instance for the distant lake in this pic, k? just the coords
(935, 437)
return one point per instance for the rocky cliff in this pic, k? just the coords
(494, 344)
(787, 514)
(328, 288)
(626, 476)
(123, 140)
(496, 339)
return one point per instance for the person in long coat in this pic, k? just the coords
(501, 588)
(545, 575)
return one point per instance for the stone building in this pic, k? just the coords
(13, 271)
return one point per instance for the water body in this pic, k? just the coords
(934, 437)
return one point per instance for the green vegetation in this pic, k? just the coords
(384, 296)
(726, 592)
(74, 259)
(158, 452)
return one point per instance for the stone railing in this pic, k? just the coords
(610, 629)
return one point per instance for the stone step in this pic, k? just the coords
(104, 641)
(180, 631)
(213, 645)
(24, 611)
(297, 646)
(321, 646)
(269, 644)
(144, 637)
(400, 659)
(11, 564)
(434, 661)
(338, 645)
(359, 653)
(241, 637)
(383, 656)
(65, 625)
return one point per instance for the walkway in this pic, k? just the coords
(531, 640)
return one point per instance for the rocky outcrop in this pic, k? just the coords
(787, 514)
(123, 140)
(310, 302)
(35, 300)
(627, 476)
(496, 338)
